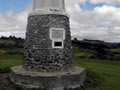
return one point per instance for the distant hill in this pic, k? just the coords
(11, 45)
(82, 48)
(98, 49)
(11, 42)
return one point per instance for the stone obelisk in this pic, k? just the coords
(48, 61)
(48, 38)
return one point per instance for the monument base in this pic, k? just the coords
(49, 81)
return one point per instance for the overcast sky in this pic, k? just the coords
(89, 19)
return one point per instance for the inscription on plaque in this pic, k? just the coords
(57, 35)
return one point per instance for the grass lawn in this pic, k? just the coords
(7, 61)
(109, 71)
(7, 42)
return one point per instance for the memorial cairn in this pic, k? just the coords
(48, 61)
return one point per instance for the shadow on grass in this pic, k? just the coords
(92, 81)
(5, 70)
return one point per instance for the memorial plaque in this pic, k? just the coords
(57, 33)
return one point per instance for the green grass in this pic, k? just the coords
(106, 71)
(109, 71)
(14, 51)
(7, 61)
(82, 53)
(7, 42)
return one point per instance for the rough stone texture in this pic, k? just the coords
(49, 81)
(44, 66)
(38, 52)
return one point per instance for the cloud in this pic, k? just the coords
(109, 2)
(109, 12)
(101, 23)
(12, 23)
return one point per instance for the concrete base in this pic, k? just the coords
(50, 81)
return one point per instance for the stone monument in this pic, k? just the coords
(48, 61)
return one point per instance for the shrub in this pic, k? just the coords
(2, 52)
(82, 55)
(116, 57)
(5, 70)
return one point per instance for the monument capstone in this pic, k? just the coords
(48, 61)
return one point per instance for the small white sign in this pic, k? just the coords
(57, 35)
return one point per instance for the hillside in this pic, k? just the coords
(96, 49)
(11, 45)
(93, 49)
(102, 74)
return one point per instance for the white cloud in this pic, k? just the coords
(12, 23)
(101, 23)
(110, 2)
(110, 12)
(98, 23)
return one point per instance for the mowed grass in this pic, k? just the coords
(109, 71)
(7, 61)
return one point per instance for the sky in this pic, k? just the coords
(89, 19)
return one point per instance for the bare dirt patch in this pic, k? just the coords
(3, 79)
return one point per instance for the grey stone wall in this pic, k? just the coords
(38, 52)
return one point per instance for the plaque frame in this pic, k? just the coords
(54, 40)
